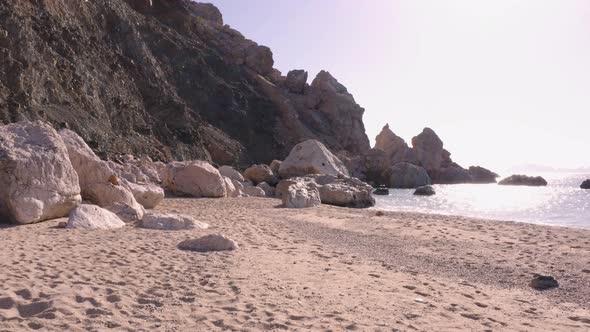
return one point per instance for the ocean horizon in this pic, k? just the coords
(560, 203)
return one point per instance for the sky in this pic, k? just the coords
(503, 82)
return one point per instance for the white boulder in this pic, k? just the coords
(93, 217)
(231, 173)
(299, 196)
(99, 183)
(38, 181)
(196, 179)
(147, 194)
(230, 189)
(171, 222)
(311, 157)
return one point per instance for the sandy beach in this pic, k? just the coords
(323, 269)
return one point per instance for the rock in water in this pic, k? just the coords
(38, 181)
(311, 157)
(523, 180)
(260, 173)
(300, 196)
(93, 217)
(381, 191)
(213, 242)
(196, 179)
(425, 191)
(585, 184)
(541, 282)
(408, 176)
(481, 175)
(171, 222)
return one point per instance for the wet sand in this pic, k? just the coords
(315, 269)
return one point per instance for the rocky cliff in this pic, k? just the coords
(164, 78)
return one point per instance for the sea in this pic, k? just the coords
(561, 203)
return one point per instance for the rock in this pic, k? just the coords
(481, 175)
(126, 212)
(300, 196)
(231, 173)
(428, 148)
(149, 195)
(333, 190)
(62, 224)
(424, 191)
(311, 157)
(206, 11)
(454, 174)
(93, 217)
(408, 176)
(523, 180)
(213, 242)
(260, 59)
(540, 282)
(99, 183)
(296, 80)
(38, 181)
(196, 179)
(274, 167)
(268, 190)
(395, 148)
(344, 192)
(585, 184)
(171, 222)
(230, 188)
(254, 191)
(260, 173)
(382, 191)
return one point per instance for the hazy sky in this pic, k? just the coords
(503, 82)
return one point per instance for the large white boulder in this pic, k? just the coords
(300, 195)
(333, 190)
(196, 179)
(147, 194)
(213, 242)
(38, 181)
(93, 217)
(311, 157)
(171, 222)
(99, 183)
(231, 173)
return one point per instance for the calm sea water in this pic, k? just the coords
(561, 203)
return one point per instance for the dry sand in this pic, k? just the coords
(316, 269)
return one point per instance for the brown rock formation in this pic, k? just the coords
(163, 78)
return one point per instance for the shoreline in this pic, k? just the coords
(311, 269)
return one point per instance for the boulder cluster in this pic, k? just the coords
(50, 174)
(396, 165)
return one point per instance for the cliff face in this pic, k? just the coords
(164, 78)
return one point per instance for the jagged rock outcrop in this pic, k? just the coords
(296, 81)
(395, 148)
(38, 181)
(163, 78)
(481, 175)
(523, 180)
(311, 157)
